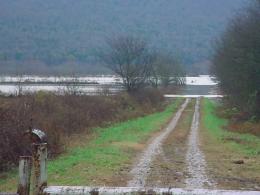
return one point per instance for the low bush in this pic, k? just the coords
(61, 116)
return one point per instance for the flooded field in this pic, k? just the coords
(201, 85)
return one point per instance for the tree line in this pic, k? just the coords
(56, 34)
(236, 62)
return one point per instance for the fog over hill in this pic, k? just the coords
(62, 35)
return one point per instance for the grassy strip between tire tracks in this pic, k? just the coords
(169, 167)
(96, 162)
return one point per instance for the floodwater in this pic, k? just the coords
(92, 85)
(199, 90)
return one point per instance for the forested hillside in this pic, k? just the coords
(63, 35)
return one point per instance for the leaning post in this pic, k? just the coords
(39, 167)
(25, 165)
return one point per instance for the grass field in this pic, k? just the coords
(102, 159)
(233, 158)
(245, 143)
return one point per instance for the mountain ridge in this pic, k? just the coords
(57, 32)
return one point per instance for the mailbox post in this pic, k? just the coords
(35, 165)
(39, 168)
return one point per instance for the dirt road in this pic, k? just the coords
(142, 168)
(174, 159)
(195, 159)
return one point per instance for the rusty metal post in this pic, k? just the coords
(39, 168)
(25, 165)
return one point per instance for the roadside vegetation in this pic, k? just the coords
(236, 63)
(105, 157)
(62, 116)
(232, 157)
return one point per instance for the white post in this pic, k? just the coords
(25, 165)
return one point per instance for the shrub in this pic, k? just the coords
(62, 116)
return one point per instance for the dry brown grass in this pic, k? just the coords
(222, 162)
(245, 127)
(63, 118)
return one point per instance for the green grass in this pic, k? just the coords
(244, 143)
(102, 156)
(103, 152)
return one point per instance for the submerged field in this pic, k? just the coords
(92, 85)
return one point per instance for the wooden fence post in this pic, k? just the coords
(39, 168)
(25, 165)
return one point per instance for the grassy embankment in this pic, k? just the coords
(233, 158)
(107, 157)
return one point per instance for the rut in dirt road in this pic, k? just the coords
(195, 158)
(141, 169)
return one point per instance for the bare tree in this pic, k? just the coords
(72, 86)
(130, 58)
(19, 85)
(166, 70)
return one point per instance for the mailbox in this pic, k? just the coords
(36, 136)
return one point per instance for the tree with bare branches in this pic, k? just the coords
(129, 57)
(166, 70)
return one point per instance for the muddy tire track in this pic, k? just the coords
(195, 159)
(168, 169)
(141, 169)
